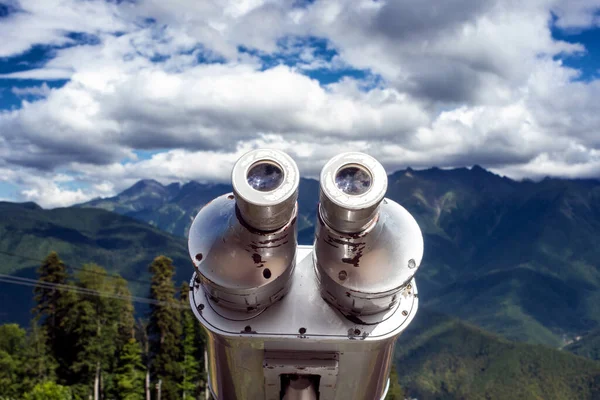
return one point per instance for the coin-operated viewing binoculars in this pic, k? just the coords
(303, 322)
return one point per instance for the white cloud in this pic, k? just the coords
(462, 82)
(37, 91)
(47, 22)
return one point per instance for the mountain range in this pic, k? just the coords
(518, 258)
(510, 272)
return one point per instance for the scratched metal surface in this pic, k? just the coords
(303, 313)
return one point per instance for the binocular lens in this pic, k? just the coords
(265, 183)
(352, 186)
(353, 180)
(265, 176)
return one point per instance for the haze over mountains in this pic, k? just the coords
(517, 258)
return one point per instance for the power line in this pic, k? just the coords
(80, 290)
(74, 268)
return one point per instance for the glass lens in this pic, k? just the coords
(353, 180)
(265, 176)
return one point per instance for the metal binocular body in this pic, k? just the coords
(303, 322)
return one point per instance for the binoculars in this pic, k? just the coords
(303, 322)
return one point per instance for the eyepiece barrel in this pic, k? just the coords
(352, 186)
(265, 183)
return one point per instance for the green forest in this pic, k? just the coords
(84, 341)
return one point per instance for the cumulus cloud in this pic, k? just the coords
(37, 91)
(48, 22)
(415, 84)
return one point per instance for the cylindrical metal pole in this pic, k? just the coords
(301, 388)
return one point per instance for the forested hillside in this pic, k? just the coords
(120, 244)
(84, 341)
(439, 357)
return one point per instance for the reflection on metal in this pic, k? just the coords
(241, 268)
(365, 273)
(303, 322)
(280, 366)
(300, 388)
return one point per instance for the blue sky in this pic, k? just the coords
(96, 95)
(589, 62)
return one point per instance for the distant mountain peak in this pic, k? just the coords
(29, 205)
(478, 168)
(145, 185)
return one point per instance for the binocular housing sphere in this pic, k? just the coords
(303, 322)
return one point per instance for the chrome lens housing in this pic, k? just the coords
(265, 183)
(352, 186)
(243, 244)
(367, 248)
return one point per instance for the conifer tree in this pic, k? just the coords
(164, 328)
(190, 367)
(130, 372)
(121, 319)
(54, 310)
(12, 340)
(40, 365)
(98, 316)
(48, 391)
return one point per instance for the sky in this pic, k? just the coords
(95, 95)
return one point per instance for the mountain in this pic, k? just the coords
(443, 358)
(517, 258)
(173, 207)
(80, 235)
(586, 346)
(170, 208)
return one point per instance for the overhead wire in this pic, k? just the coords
(85, 291)
(75, 268)
(78, 289)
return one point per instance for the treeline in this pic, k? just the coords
(85, 343)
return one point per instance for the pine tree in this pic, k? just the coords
(130, 372)
(49, 391)
(190, 367)
(120, 313)
(97, 330)
(54, 310)
(164, 329)
(41, 365)
(12, 341)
